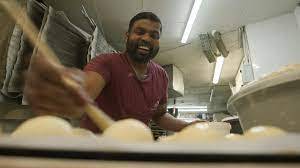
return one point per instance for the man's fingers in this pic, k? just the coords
(78, 92)
(50, 88)
(46, 109)
(75, 74)
(47, 69)
(42, 90)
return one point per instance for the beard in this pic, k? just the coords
(132, 49)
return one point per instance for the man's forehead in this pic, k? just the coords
(147, 24)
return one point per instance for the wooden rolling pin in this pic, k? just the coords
(101, 120)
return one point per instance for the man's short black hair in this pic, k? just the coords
(144, 15)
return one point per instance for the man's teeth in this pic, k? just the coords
(144, 48)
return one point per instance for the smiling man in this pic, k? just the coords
(124, 85)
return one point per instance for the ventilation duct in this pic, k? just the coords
(219, 43)
(213, 45)
(209, 47)
(176, 85)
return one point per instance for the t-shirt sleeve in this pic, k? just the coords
(102, 65)
(165, 80)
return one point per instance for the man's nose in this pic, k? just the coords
(146, 37)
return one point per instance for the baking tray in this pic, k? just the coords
(280, 149)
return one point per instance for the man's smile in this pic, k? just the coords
(143, 49)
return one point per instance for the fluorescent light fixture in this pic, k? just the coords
(218, 69)
(211, 95)
(192, 110)
(188, 107)
(189, 25)
(255, 66)
(188, 119)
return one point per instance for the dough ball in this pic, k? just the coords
(82, 132)
(44, 126)
(285, 69)
(167, 139)
(129, 130)
(234, 137)
(264, 131)
(199, 132)
(222, 127)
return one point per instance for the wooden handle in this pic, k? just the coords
(101, 120)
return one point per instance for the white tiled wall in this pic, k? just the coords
(274, 43)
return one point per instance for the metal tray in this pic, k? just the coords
(279, 149)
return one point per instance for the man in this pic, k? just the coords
(124, 85)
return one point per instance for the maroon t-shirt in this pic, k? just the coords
(124, 95)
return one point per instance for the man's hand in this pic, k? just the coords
(167, 121)
(47, 92)
(198, 121)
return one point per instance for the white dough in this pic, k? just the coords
(82, 132)
(43, 126)
(222, 127)
(129, 130)
(198, 132)
(264, 131)
(234, 137)
(285, 69)
(167, 139)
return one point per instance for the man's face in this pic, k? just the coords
(143, 40)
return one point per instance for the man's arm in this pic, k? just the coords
(49, 95)
(94, 83)
(167, 121)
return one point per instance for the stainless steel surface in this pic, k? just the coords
(89, 152)
(21, 162)
(100, 152)
(269, 145)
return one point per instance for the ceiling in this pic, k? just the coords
(225, 16)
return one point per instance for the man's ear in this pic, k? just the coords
(126, 36)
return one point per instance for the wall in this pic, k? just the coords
(274, 43)
(297, 14)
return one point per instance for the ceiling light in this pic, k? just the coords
(188, 27)
(192, 110)
(211, 94)
(218, 69)
(255, 66)
(189, 107)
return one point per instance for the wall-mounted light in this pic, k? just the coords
(189, 25)
(218, 69)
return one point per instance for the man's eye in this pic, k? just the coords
(140, 32)
(155, 36)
